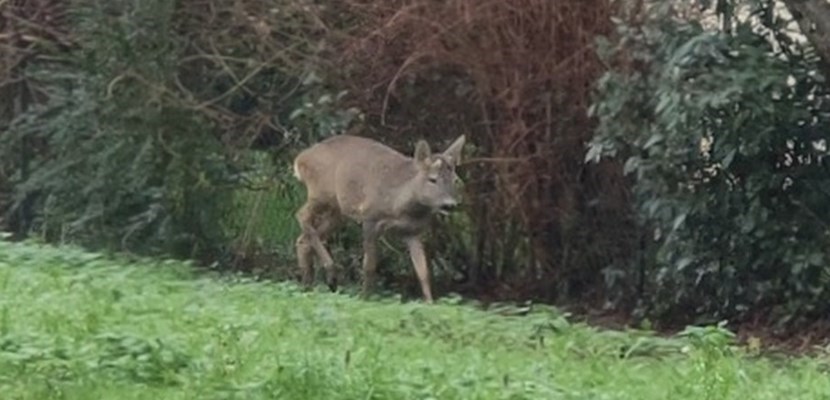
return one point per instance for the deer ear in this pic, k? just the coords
(454, 151)
(422, 151)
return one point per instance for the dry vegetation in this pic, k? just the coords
(523, 73)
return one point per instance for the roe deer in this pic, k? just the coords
(377, 187)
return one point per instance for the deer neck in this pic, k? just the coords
(406, 195)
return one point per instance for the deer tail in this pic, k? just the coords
(297, 170)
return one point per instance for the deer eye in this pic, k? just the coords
(433, 179)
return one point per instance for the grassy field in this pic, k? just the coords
(75, 325)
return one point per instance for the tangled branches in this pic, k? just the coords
(529, 66)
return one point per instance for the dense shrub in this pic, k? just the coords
(119, 163)
(141, 133)
(726, 136)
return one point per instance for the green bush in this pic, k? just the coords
(726, 137)
(144, 142)
(120, 165)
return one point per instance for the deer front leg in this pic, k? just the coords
(419, 261)
(370, 236)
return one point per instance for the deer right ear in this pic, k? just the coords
(454, 151)
(422, 151)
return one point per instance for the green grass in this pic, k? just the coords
(75, 325)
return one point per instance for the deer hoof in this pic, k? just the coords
(332, 283)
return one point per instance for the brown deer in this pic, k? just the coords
(381, 189)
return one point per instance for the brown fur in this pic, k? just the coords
(377, 187)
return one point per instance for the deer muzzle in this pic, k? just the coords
(447, 208)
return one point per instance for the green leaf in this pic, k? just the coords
(631, 165)
(654, 139)
(594, 153)
(683, 262)
(296, 113)
(678, 221)
(817, 259)
(730, 156)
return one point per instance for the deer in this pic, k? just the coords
(354, 178)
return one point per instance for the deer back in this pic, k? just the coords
(365, 179)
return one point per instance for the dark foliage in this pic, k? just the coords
(726, 135)
(129, 121)
(516, 78)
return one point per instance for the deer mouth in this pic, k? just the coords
(446, 209)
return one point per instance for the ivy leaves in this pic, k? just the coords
(724, 136)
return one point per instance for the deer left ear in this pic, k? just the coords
(422, 151)
(454, 151)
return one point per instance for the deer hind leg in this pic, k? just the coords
(304, 260)
(304, 246)
(325, 224)
(312, 217)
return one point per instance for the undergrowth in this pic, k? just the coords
(79, 325)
